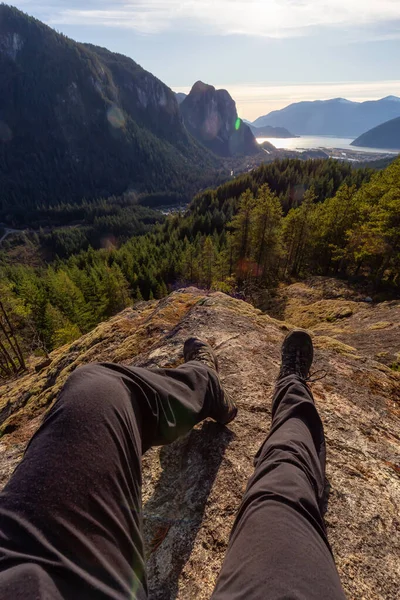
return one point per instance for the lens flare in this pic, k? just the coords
(238, 124)
(116, 117)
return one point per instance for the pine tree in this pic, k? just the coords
(189, 262)
(242, 229)
(208, 257)
(334, 219)
(59, 329)
(297, 230)
(138, 295)
(67, 297)
(266, 229)
(375, 240)
(116, 289)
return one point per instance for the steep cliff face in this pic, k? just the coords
(79, 121)
(192, 489)
(141, 95)
(211, 116)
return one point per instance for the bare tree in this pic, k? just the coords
(11, 357)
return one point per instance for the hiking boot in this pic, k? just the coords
(297, 355)
(224, 409)
(195, 349)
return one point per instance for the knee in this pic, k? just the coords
(84, 372)
(83, 379)
(88, 391)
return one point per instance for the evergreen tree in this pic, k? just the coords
(333, 220)
(208, 258)
(117, 290)
(58, 329)
(266, 225)
(297, 233)
(67, 297)
(242, 234)
(374, 240)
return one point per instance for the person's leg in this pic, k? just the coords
(278, 547)
(70, 516)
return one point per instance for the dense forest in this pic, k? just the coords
(285, 220)
(66, 229)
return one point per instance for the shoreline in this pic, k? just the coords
(326, 144)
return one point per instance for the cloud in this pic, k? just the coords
(254, 100)
(269, 18)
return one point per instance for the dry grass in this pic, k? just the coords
(311, 315)
(380, 325)
(325, 342)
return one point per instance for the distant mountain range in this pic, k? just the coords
(78, 121)
(210, 115)
(180, 96)
(386, 136)
(338, 117)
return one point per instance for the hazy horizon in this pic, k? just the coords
(266, 54)
(255, 101)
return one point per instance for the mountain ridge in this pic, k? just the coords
(271, 132)
(386, 136)
(78, 121)
(336, 116)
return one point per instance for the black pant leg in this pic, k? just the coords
(278, 547)
(70, 516)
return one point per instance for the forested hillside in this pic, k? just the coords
(386, 135)
(288, 219)
(77, 121)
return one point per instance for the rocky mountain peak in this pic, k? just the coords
(211, 117)
(201, 87)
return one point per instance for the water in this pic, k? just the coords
(307, 142)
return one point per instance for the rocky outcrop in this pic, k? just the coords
(192, 489)
(331, 308)
(211, 117)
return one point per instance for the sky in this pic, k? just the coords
(266, 53)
